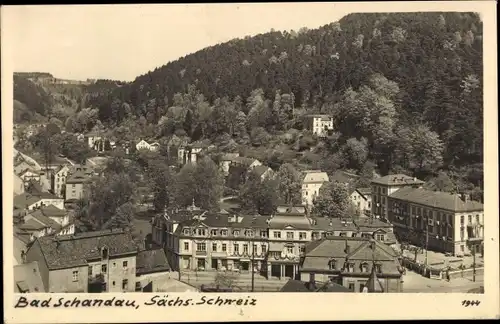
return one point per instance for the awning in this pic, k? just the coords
(276, 247)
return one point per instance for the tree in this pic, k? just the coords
(442, 182)
(289, 184)
(122, 218)
(161, 182)
(356, 152)
(185, 186)
(259, 196)
(332, 201)
(209, 184)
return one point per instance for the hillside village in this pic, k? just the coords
(327, 182)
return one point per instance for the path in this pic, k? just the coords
(414, 283)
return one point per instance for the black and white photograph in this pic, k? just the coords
(229, 150)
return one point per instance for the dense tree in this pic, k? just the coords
(259, 196)
(332, 201)
(289, 184)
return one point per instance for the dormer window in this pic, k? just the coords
(332, 264)
(185, 231)
(104, 253)
(201, 232)
(213, 232)
(249, 233)
(378, 267)
(349, 267)
(364, 267)
(236, 233)
(223, 232)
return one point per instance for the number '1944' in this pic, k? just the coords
(467, 303)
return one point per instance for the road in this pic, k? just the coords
(415, 283)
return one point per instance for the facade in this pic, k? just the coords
(27, 278)
(226, 160)
(437, 220)
(188, 153)
(383, 187)
(312, 182)
(86, 262)
(350, 262)
(197, 240)
(143, 145)
(18, 185)
(152, 269)
(319, 124)
(263, 172)
(76, 185)
(361, 198)
(27, 201)
(59, 181)
(29, 175)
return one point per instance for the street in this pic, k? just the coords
(415, 283)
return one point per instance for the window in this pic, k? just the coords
(342, 234)
(223, 232)
(114, 283)
(289, 249)
(236, 247)
(255, 248)
(214, 247)
(332, 264)
(264, 248)
(462, 248)
(186, 246)
(462, 233)
(277, 234)
(315, 235)
(90, 270)
(245, 248)
(73, 186)
(125, 264)
(413, 210)
(236, 233)
(186, 231)
(249, 233)
(75, 275)
(104, 253)
(201, 231)
(125, 284)
(462, 220)
(378, 268)
(224, 247)
(114, 264)
(362, 286)
(302, 235)
(477, 219)
(379, 237)
(104, 268)
(351, 286)
(201, 247)
(289, 235)
(364, 267)
(470, 219)
(263, 233)
(213, 232)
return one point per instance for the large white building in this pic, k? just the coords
(319, 124)
(312, 182)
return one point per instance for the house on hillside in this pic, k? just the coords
(143, 145)
(59, 180)
(190, 153)
(76, 185)
(311, 184)
(353, 263)
(361, 198)
(320, 125)
(27, 201)
(29, 175)
(225, 162)
(263, 172)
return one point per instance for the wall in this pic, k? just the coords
(18, 185)
(74, 191)
(59, 203)
(309, 192)
(34, 253)
(62, 280)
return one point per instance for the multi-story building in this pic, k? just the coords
(354, 263)
(28, 201)
(437, 220)
(59, 180)
(312, 182)
(76, 185)
(361, 198)
(385, 186)
(18, 185)
(94, 261)
(319, 124)
(197, 240)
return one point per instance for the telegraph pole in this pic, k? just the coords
(253, 254)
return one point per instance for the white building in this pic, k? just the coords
(319, 124)
(313, 181)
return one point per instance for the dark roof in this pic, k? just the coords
(365, 191)
(78, 177)
(44, 220)
(27, 278)
(436, 199)
(25, 199)
(343, 177)
(301, 286)
(261, 169)
(151, 261)
(397, 180)
(75, 250)
(371, 223)
(332, 224)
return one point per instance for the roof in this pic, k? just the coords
(301, 286)
(437, 199)
(332, 224)
(318, 116)
(357, 250)
(151, 261)
(344, 176)
(371, 223)
(246, 161)
(260, 170)
(75, 250)
(27, 278)
(365, 191)
(315, 177)
(53, 211)
(78, 177)
(25, 199)
(397, 180)
(43, 219)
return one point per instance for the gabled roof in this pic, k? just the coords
(397, 180)
(365, 192)
(78, 177)
(437, 199)
(25, 199)
(27, 278)
(75, 250)
(260, 170)
(151, 261)
(38, 216)
(315, 176)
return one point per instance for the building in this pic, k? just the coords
(349, 262)
(59, 180)
(154, 147)
(436, 220)
(385, 186)
(29, 175)
(95, 141)
(312, 182)
(18, 185)
(263, 172)
(301, 286)
(361, 198)
(382, 231)
(27, 278)
(190, 153)
(143, 145)
(226, 160)
(76, 185)
(28, 201)
(245, 162)
(320, 125)
(62, 218)
(102, 261)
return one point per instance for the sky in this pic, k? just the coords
(121, 42)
